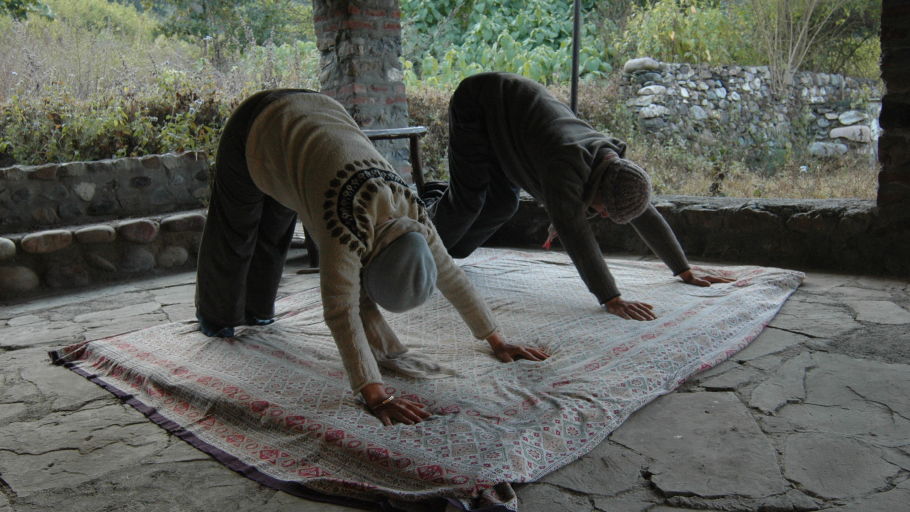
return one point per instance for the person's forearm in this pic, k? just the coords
(495, 340)
(373, 393)
(657, 234)
(579, 242)
(457, 289)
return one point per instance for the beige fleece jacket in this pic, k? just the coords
(307, 153)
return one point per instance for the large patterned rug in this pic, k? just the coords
(273, 403)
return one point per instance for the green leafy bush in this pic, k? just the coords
(446, 41)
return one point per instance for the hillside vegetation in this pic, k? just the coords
(93, 79)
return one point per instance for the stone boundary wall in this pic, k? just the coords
(840, 235)
(702, 104)
(33, 198)
(831, 235)
(835, 235)
(80, 256)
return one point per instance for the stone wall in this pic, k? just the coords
(707, 105)
(79, 256)
(33, 198)
(842, 235)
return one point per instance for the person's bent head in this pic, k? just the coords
(626, 191)
(403, 275)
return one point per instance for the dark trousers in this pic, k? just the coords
(480, 198)
(247, 233)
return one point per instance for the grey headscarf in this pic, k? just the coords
(403, 275)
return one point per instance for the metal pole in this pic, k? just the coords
(576, 36)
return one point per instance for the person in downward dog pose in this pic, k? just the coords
(508, 133)
(294, 152)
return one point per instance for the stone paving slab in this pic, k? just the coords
(813, 415)
(880, 312)
(814, 319)
(836, 467)
(895, 499)
(786, 385)
(712, 435)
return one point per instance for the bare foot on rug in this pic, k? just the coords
(630, 310)
(705, 279)
(389, 408)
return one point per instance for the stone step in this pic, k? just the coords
(42, 262)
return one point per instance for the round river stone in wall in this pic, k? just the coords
(85, 190)
(137, 259)
(184, 222)
(69, 210)
(855, 133)
(96, 234)
(851, 117)
(67, 275)
(640, 64)
(172, 256)
(827, 149)
(47, 241)
(141, 230)
(7, 249)
(45, 215)
(17, 279)
(100, 262)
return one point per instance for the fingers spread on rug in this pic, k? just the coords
(508, 353)
(401, 410)
(705, 279)
(630, 310)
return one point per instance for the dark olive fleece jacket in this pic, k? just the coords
(542, 147)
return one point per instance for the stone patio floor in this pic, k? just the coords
(813, 415)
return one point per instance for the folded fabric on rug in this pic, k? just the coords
(273, 402)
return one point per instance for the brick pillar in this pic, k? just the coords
(894, 144)
(360, 46)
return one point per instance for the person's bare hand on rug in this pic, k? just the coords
(705, 279)
(630, 310)
(389, 408)
(507, 353)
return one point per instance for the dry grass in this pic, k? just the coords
(70, 93)
(674, 172)
(43, 58)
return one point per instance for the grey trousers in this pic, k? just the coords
(247, 233)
